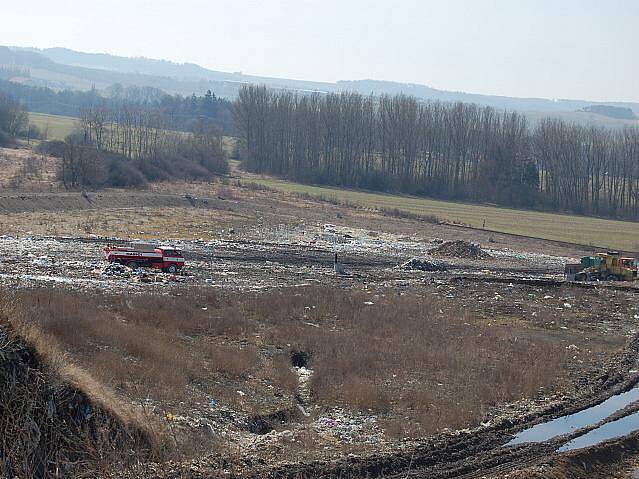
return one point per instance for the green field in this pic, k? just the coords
(57, 127)
(60, 126)
(602, 233)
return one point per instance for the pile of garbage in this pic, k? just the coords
(117, 269)
(138, 275)
(348, 428)
(43, 261)
(460, 249)
(424, 265)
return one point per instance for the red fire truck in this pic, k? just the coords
(144, 255)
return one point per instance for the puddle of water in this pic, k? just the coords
(611, 430)
(572, 422)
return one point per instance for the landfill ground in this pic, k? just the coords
(239, 240)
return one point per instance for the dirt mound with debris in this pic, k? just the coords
(610, 459)
(424, 265)
(460, 249)
(55, 421)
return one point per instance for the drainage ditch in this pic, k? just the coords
(263, 424)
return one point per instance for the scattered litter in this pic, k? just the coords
(116, 269)
(44, 261)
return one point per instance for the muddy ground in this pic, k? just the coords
(242, 240)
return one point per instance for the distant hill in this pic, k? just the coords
(184, 78)
(43, 71)
(63, 68)
(612, 112)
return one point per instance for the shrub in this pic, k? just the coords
(122, 173)
(6, 140)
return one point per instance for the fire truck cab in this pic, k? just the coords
(141, 255)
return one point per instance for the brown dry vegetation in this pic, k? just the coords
(56, 420)
(408, 353)
(150, 222)
(26, 170)
(403, 356)
(153, 344)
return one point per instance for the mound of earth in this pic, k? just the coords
(460, 249)
(51, 427)
(424, 265)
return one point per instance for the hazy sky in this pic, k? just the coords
(548, 48)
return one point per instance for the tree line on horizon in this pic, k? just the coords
(182, 113)
(455, 151)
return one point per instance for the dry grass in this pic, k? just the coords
(409, 353)
(56, 420)
(402, 356)
(336, 201)
(397, 213)
(150, 222)
(27, 171)
(157, 344)
(234, 362)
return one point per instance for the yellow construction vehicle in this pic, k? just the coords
(608, 266)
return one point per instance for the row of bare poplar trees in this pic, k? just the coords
(456, 151)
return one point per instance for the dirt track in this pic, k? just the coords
(252, 264)
(29, 202)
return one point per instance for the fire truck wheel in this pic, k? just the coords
(171, 269)
(132, 265)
